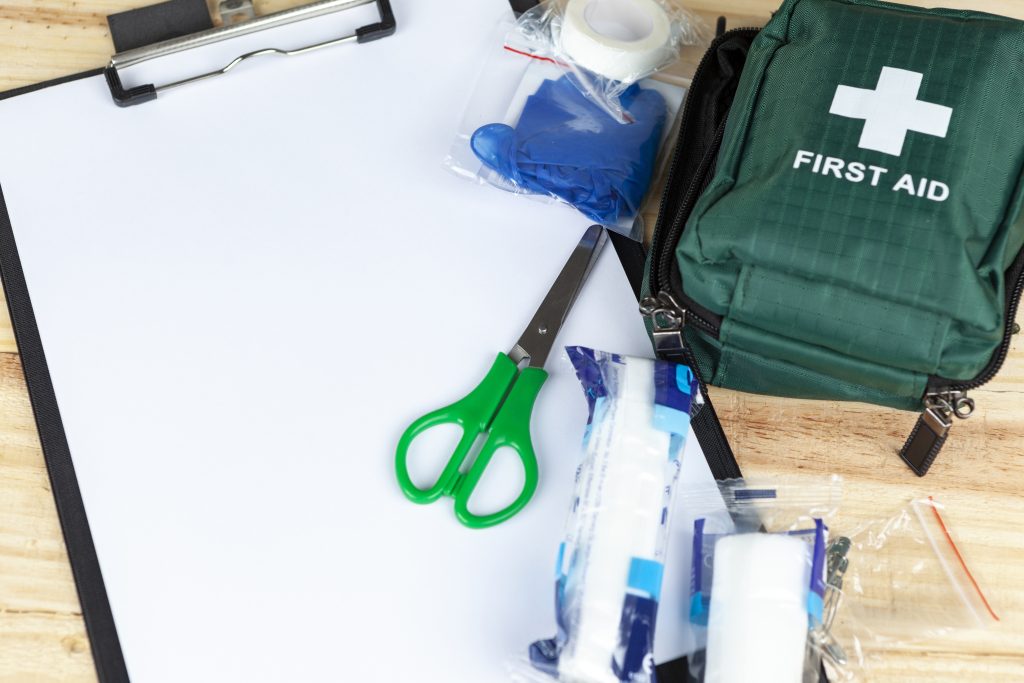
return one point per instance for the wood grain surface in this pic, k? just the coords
(979, 476)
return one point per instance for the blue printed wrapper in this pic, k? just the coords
(676, 387)
(667, 398)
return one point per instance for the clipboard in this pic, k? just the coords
(220, 338)
(247, 23)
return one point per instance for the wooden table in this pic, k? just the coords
(980, 475)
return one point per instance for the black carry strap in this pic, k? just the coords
(633, 258)
(706, 424)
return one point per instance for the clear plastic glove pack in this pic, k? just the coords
(536, 126)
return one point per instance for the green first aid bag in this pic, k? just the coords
(843, 217)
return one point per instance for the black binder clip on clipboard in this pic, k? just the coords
(248, 24)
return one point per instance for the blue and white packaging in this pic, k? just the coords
(610, 564)
(758, 579)
(701, 577)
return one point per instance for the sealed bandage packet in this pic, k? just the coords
(758, 625)
(758, 580)
(756, 595)
(705, 547)
(609, 568)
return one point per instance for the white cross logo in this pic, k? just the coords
(891, 110)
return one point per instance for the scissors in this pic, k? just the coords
(498, 410)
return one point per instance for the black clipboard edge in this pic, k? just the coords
(25, 89)
(85, 567)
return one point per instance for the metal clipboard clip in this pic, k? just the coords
(144, 93)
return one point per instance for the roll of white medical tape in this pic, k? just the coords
(624, 40)
(757, 623)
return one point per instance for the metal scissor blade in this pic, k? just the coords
(535, 343)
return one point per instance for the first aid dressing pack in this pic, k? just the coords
(610, 564)
(843, 217)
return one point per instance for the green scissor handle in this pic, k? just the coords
(482, 411)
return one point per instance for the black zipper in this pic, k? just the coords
(1016, 275)
(660, 276)
(709, 322)
(664, 261)
(668, 317)
(686, 116)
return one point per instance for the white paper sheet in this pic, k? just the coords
(245, 291)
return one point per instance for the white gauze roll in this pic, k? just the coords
(757, 624)
(621, 496)
(624, 40)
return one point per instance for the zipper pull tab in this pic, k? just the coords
(667, 321)
(932, 428)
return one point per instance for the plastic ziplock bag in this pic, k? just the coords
(770, 504)
(904, 582)
(758, 579)
(528, 130)
(609, 566)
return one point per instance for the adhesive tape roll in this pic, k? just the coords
(624, 40)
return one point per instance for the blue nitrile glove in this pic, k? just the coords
(567, 146)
